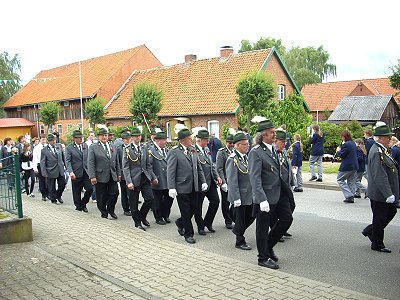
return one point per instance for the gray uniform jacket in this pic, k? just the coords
(264, 175)
(383, 176)
(222, 157)
(76, 160)
(135, 163)
(238, 177)
(100, 166)
(209, 169)
(52, 165)
(159, 164)
(184, 171)
(120, 154)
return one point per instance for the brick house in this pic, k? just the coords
(202, 92)
(102, 77)
(323, 98)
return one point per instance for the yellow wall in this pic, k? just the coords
(14, 132)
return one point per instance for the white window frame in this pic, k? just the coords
(168, 129)
(41, 129)
(59, 128)
(209, 125)
(281, 92)
(50, 129)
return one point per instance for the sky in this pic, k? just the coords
(361, 37)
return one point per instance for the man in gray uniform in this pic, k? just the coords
(239, 189)
(52, 162)
(125, 137)
(383, 188)
(76, 162)
(222, 157)
(138, 176)
(266, 184)
(185, 177)
(104, 172)
(213, 181)
(162, 201)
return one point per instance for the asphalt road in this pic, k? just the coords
(327, 244)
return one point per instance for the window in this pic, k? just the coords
(59, 128)
(66, 103)
(168, 129)
(213, 127)
(281, 92)
(19, 108)
(50, 128)
(41, 129)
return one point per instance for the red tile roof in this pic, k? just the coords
(200, 87)
(326, 96)
(15, 122)
(62, 83)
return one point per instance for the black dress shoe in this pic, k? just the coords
(268, 264)
(105, 216)
(180, 229)
(78, 209)
(287, 234)
(313, 178)
(298, 189)
(113, 215)
(84, 209)
(229, 226)
(281, 240)
(272, 255)
(44, 199)
(357, 196)
(349, 200)
(202, 232)
(384, 250)
(167, 220)
(190, 240)
(243, 247)
(319, 180)
(210, 229)
(146, 223)
(54, 202)
(140, 227)
(60, 200)
(161, 222)
(127, 213)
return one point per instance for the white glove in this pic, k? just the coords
(204, 187)
(390, 199)
(224, 187)
(264, 206)
(295, 170)
(172, 193)
(293, 187)
(237, 203)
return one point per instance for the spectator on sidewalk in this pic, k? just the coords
(37, 153)
(383, 188)
(361, 157)
(26, 158)
(317, 140)
(297, 162)
(346, 177)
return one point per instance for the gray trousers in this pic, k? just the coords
(315, 159)
(298, 178)
(360, 188)
(347, 182)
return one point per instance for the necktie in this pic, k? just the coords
(163, 152)
(107, 152)
(80, 148)
(54, 150)
(245, 158)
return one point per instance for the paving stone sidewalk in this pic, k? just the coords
(79, 256)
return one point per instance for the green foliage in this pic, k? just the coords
(49, 113)
(307, 65)
(255, 90)
(146, 99)
(94, 110)
(8, 71)
(263, 43)
(395, 78)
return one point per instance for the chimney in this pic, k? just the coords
(190, 57)
(226, 51)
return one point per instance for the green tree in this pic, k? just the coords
(49, 113)
(263, 43)
(94, 110)
(395, 78)
(255, 90)
(146, 99)
(10, 82)
(308, 65)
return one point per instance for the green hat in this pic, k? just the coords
(77, 134)
(110, 132)
(280, 134)
(125, 129)
(229, 138)
(135, 132)
(382, 130)
(160, 135)
(153, 130)
(125, 136)
(51, 137)
(203, 134)
(263, 125)
(183, 133)
(239, 136)
(102, 131)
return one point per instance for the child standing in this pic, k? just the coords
(361, 157)
(297, 162)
